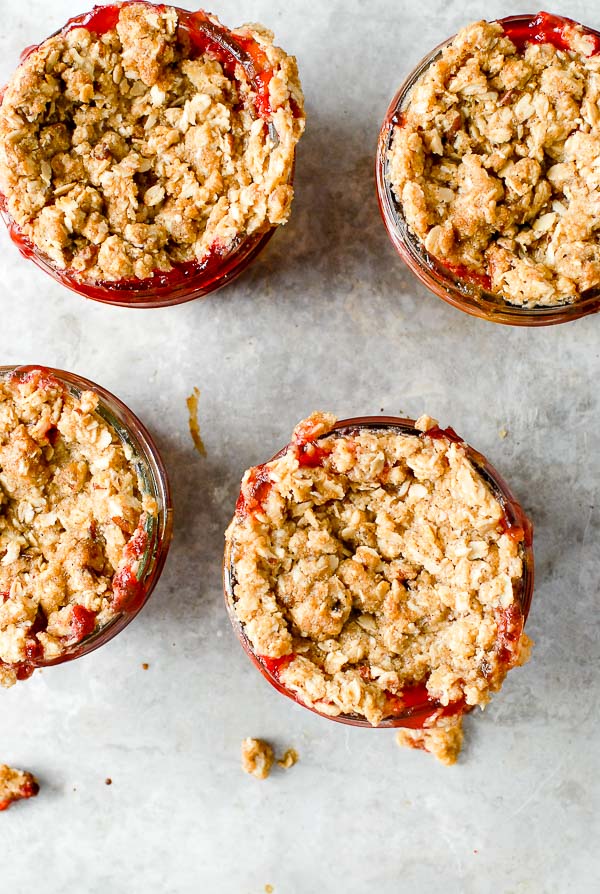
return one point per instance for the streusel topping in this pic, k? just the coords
(366, 563)
(72, 521)
(126, 152)
(16, 785)
(494, 163)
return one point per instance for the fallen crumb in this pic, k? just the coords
(444, 740)
(288, 759)
(257, 758)
(502, 433)
(145, 666)
(16, 785)
(108, 781)
(192, 405)
(269, 889)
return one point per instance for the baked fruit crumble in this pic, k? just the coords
(15, 785)
(72, 522)
(372, 570)
(493, 159)
(141, 138)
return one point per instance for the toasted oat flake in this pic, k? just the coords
(70, 504)
(495, 164)
(126, 152)
(368, 562)
(15, 785)
(288, 759)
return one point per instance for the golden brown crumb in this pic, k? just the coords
(108, 781)
(372, 561)
(503, 433)
(145, 666)
(70, 503)
(269, 889)
(444, 740)
(124, 153)
(494, 164)
(288, 759)
(192, 405)
(16, 785)
(257, 758)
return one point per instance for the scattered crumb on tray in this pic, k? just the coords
(288, 758)
(503, 433)
(145, 666)
(444, 740)
(192, 405)
(257, 758)
(108, 781)
(16, 785)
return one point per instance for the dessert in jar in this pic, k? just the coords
(85, 518)
(379, 572)
(147, 152)
(487, 170)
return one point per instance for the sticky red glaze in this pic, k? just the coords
(509, 623)
(33, 649)
(254, 492)
(128, 592)
(4, 595)
(546, 28)
(27, 790)
(311, 455)
(444, 434)
(100, 20)
(138, 543)
(515, 532)
(83, 622)
(460, 271)
(275, 665)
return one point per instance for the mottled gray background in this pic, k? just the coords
(327, 318)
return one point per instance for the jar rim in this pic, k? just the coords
(469, 297)
(416, 715)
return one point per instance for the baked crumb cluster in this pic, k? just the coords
(258, 758)
(126, 152)
(443, 740)
(365, 563)
(69, 506)
(15, 785)
(494, 163)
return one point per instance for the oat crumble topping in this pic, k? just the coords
(369, 562)
(257, 758)
(444, 740)
(126, 152)
(71, 513)
(288, 759)
(494, 163)
(16, 785)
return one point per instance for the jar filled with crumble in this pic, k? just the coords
(147, 152)
(379, 572)
(85, 518)
(485, 170)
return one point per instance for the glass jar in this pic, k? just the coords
(152, 480)
(465, 292)
(193, 279)
(418, 707)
